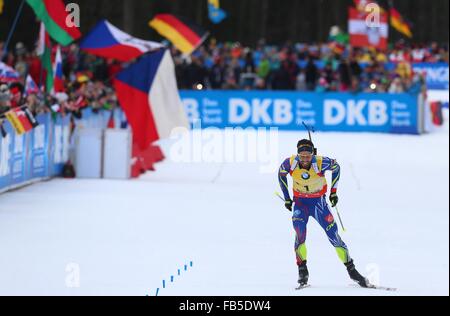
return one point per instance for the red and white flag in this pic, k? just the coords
(363, 34)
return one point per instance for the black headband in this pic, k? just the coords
(307, 148)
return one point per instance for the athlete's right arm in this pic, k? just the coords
(282, 178)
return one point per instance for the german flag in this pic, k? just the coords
(399, 23)
(183, 34)
(21, 120)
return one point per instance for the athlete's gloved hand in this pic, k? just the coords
(288, 204)
(333, 199)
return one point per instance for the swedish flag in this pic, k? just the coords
(216, 14)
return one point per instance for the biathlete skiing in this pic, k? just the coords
(307, 170)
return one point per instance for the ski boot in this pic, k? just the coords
(303, 274)
(355, 275)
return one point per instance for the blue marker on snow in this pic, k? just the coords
(172, 277)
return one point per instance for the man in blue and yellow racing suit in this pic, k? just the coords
(309, 188)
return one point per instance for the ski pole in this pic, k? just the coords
(339, 217)
(278, 194)
(337, 211)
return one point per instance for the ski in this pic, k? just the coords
(385, 288)
(300, 287)
(371, 286)
(376, 287)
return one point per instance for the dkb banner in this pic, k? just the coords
(341, 112)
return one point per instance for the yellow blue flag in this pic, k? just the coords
(216, 14)
(1, 6)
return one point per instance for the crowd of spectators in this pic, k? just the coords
(301, 67)
(87, 82)
(304, 67)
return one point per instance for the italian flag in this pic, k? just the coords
(44, 51)
(54, 15)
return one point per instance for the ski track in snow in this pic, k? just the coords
(125, 237)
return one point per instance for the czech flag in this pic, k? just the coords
(58, 82)
(108, 41)
(147, 92)
(183, 34)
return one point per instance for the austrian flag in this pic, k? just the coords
(363, 34)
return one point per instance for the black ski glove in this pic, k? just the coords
(288, 204)
(333, 199)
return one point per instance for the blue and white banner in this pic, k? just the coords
(100, 118)
(60, 141)
(39, 147)
(364, 112)
(37, 154)
(6, 153)
(436, 74)
(19, 158)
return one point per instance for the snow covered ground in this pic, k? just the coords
(105, 237)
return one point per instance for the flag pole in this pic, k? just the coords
(388, 13)
(198, 45)
(11, 31)
(3, 114)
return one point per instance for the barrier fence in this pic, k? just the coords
(36, 155)
(43, 152)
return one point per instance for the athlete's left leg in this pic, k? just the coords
(323, 216)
